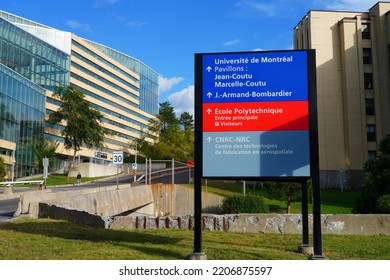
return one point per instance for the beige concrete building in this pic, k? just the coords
(353, 87)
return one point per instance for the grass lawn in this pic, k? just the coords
(60, 180)
(45, 239)
(333, 201)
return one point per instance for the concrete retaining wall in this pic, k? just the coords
(263, 223)
(98, 201)
(88, 169)
(179, 200)
(72, 215)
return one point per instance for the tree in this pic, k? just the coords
(187, 121)
(2, 170)
(376, 181)
(288, 192)
(167, 117)
(82, 122)
(170, 140)
(43, 148)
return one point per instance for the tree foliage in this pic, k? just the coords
(287, 192)
(376, 181)
(174, 137)
(82, 123)
(250, 203)
(2, 170)
(42, 148)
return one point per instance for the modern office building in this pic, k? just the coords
(34, 58)
(353, 87)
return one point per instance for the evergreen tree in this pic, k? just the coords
(170, 140)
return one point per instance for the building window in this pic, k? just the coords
(371, 135)
(368, 81)
(372, 154)
(370, 107)
(367, 57)
(366, 31)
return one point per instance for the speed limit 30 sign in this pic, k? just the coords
(117, 157)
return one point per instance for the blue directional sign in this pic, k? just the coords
(254, 114)
(255, 76)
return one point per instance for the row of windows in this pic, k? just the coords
(110, 102)
(91, 53)
(102, 89)
(369, 84)
(149, 98)
(368, 81)
(101, 69)
(34, 59)
(367, 56)
(371, 132)
(108, 83)
(366, 31)
(108, 121)
(21, 117)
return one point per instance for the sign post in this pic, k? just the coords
(134, 168)
(256, 110)
(45, 163)
(190, 164)
(117, 159)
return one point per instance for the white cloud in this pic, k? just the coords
(254, 7)
(78, 25)
(183, 101)
(232, 42)
(351, 5)
(100, 3)
(135, 23)
(166, 84)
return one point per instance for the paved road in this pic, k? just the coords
(7, 209)
(9, 206)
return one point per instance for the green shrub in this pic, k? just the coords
(250, 203)
(384, 204)
(376, 180)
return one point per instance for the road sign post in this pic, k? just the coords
(117, 159)
(258, 111)
(45, 163)
(134, 169)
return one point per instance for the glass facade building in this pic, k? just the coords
(35, 58)
(22, 116)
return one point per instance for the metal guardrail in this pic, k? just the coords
(9, 183)
(162, 172)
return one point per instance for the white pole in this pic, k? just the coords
(150, 171)
(173, 171)
(146, 171)
(117, 172)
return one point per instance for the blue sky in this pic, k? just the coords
(165, 35)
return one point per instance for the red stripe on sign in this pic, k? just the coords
(255, 116)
